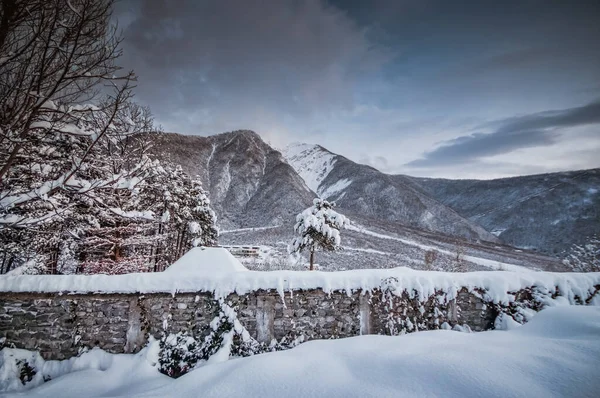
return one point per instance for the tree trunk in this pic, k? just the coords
(10, 263)
(312, 259)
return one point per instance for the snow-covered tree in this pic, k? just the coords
(586, 257)
(77, 189)
(318, 228)
(53, 121)
(69, 184)
(147, 225)
(185, 218)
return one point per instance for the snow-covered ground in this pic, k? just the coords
(495, 265)
(375, 244)
(557, 354)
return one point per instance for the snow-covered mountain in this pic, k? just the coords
(546, 212)
(249, 183)
(367, 192)
(256, 194)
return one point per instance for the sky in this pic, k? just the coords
(455, 89)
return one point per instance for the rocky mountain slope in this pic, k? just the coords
(249, 183)
(546, 212)
(363, 190)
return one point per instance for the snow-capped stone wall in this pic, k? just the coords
(60, 325)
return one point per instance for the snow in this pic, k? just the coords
(556, 354)
(311, 162)
(79, 376)
(67, 128)
(146, 215)
(372, 251)
(206, 261)
(495, 265)
(423, 284)
(333, 189)
(498, 231)
(248, 229)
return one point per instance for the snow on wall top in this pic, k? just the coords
(420, 283)
(206, 261)
(311, 162)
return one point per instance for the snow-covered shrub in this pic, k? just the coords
(318, 227)
(225, 338)
(179, 353)
(19, 369)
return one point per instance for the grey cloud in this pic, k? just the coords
(350, 74)
(204, 63)
(587, 114)
(534, 130)
(378, 162)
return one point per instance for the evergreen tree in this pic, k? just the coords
(185, 218)
(318, 227)
(148, 225)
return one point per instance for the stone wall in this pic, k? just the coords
(60, 325)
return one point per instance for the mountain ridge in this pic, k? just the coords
(545, 212)
(364, 190)
(257, 194)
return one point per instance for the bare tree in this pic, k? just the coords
(458, 263)
(56, 55)
(63, 103)
(430, 257)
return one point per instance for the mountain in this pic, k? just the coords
(546, 212)
(256, 194)
(362, 190)
(249, 183)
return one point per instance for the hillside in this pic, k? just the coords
(249, 183)
(546, 212)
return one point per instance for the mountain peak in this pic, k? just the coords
(312, 162)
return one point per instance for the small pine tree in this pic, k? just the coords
(184, 216)
(318, 227)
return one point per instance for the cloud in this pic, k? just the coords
(378, 162)
(586, 114)
(540, 129)
(387, 78)
(220, 64)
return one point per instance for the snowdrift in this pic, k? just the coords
(206, 261)
(556, 354)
